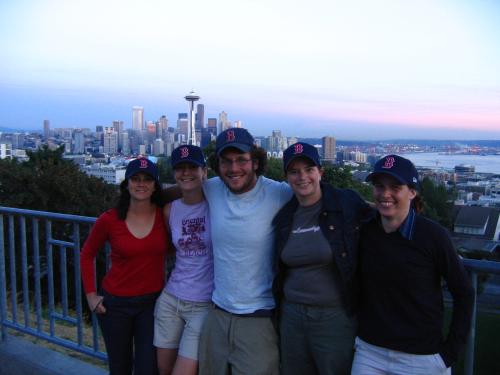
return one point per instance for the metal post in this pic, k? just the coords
(3, 284)
(469, 351)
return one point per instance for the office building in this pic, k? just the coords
(212, 125)
(119, 129)
(158, 147)
(78, 142)
(183, 126)
(125, 143)
(162, 127)
(46, 129)
(224, 123)
(5, 150)
(137, 118)
(329, 149)
(110, 141)
(200, 117)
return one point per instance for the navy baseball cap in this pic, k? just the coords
(141, 165)
(300, 150)
(188, 154)
(398, 167)
(234, 137)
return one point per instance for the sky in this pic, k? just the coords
(355, 70)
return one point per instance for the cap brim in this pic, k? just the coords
(240, 146)
(190, 161)
(301, 157)
(372, 175)
(137, 172)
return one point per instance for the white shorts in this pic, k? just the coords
(178, 324)
(372, 360)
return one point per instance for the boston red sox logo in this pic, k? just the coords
(184, 152)
(389, 162)
(298, 149)
(144, 163)
(230, 136)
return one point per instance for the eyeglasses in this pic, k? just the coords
(226, 163)
(136, 179)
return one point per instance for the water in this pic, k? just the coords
(483, 163)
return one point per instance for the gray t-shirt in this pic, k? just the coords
(311, 278)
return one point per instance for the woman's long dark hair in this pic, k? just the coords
(418, 203)
(123, 202)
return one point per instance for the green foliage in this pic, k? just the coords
(438, 202)
(47, 182)
(275, 169)
(165, 170)
(341, 177)
(210, 156)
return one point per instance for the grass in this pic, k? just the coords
(487, 345)
(62, 329)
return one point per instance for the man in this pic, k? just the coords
(239, 336)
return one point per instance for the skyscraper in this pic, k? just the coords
(46, 129)
(137, 118)
(162, 127)
(200, 117)
(78, 142)
(212, 125)
(110, 141)
(118, 126)
(183, 126)
(329, 149)
(224, 123)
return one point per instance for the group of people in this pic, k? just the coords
(294, 277)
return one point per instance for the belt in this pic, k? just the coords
(261, 313)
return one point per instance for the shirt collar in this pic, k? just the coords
(406, 228)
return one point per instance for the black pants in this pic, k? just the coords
(128, 329)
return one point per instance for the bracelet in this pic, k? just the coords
(97, 305)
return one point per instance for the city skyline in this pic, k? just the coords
(354, 70)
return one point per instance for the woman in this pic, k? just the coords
(316, 241)
(184, 303)
(403, 259)
(138, 240)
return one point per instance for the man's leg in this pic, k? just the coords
(254, 346)
(214, 345)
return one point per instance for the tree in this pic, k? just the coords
(341, 177)
(438, 202)
(165, 170)
(275, 169)
(47, 182)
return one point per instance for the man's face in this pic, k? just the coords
(237, 170)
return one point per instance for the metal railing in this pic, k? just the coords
(40, 286)
(41, 318)
(476, 267)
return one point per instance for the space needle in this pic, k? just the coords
(191, 98)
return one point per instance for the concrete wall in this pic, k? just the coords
(21, 357)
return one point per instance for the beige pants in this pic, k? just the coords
(246, 345)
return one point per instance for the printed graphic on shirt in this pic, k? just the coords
(191, 241)
(305, 230)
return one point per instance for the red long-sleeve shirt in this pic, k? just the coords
(137, 264)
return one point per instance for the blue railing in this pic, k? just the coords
(41, 307)
(42, 318)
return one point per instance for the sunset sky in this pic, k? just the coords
(354, 69)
